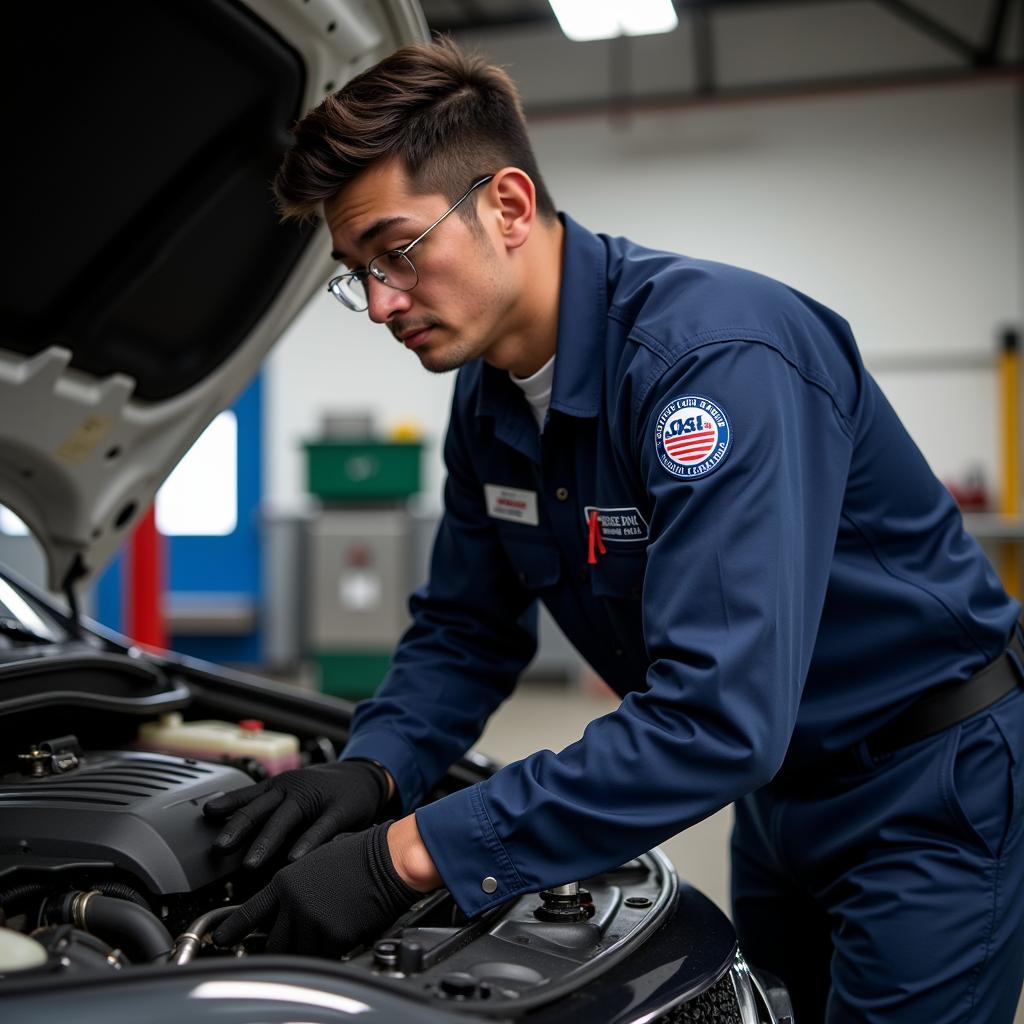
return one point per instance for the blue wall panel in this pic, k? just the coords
(213, 565)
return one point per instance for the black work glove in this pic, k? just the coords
(342, 894)
(327, 799)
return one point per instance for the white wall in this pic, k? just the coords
(900, 209)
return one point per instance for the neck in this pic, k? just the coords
(533, 333)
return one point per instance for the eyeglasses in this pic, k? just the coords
(393, 268)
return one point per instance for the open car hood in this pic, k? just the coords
(146, 274)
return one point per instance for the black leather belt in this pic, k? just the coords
(940, 708)
(952, 702)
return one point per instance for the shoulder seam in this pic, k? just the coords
(726, 335)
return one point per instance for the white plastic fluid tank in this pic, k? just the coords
(218, 741)
(19, 952)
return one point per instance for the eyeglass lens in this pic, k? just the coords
(350, 291)
(393, 269)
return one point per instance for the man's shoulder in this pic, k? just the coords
(679, 300)
(668, 306)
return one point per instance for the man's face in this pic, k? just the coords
(455, 312)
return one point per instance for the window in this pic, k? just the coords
(10, 524)
(200, 498)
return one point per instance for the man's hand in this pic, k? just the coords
(326, 799)
(341, 894)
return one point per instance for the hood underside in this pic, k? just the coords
(147, 273)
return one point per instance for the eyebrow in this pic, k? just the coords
(377, 228)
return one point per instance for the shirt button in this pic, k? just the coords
(562, 494)
(489, 884)
(583, 576)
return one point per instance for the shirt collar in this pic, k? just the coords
(582, 322)
(579, 352)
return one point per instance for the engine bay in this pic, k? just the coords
(106, 864)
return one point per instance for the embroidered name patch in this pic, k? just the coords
(511, 503)
(692, 436)
(619, 524)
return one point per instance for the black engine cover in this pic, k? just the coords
(134, 811)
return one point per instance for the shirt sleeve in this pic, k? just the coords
(738, 565)
(473, 632)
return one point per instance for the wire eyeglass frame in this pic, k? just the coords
(393, 268)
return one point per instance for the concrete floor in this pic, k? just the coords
(552, 716)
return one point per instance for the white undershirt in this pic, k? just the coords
(537, 389)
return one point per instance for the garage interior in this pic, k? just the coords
(869, 152)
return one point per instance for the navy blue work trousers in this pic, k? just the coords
(894, 893)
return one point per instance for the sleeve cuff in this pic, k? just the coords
(467, 852)
(394, 755)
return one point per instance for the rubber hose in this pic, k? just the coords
(136, 930)
(11, 899)
(122, 892)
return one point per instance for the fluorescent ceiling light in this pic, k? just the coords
(582, 20)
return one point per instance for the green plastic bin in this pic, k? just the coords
(363, 470)
(351, 674)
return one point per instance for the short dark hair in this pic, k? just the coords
(450, 116)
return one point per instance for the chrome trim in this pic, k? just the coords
(753, 1003)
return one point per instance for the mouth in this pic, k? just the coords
(415, 339)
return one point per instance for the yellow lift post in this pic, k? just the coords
(1010, 502)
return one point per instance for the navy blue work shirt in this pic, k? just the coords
(725, 517)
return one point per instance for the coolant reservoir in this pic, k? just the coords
(217, 741)
(19, 952)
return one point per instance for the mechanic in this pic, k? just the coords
(690, 466)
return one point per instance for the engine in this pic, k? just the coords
(105, 855)
(136, 815)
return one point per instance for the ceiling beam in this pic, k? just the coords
(613, 106)
(996, 27)
(931, 27)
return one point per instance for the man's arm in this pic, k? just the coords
(470, 639)
(410, 856)
(738, 566)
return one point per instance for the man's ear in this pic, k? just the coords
(514, 202)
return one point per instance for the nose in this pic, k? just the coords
(383, 302)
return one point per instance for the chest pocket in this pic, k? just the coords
(537, 563)
(619, 574)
